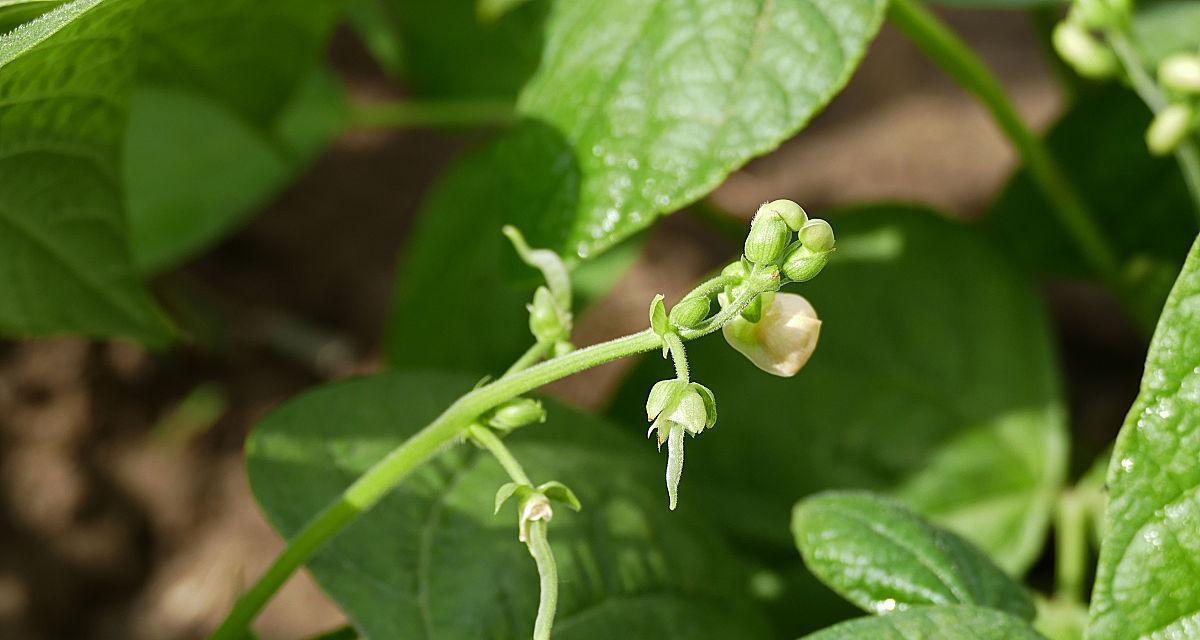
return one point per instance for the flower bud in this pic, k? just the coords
(1099, 14)
(802, 264)
(1180, 72)
(817, 235)
(737, 269)
(690, 311)
(547, 322)
(792, 213)
(769, 236)
(517, 413)
(783, 341)
(1083, 52)
(1169, 128)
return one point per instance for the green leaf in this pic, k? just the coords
(431, 561)
(1140, 201)
(884, 558)
(1148, 577)
(194, 169)
(661, 100)
(490, 10)
(1165, 27)
(16, 12)
(934, 381)
(65, 81)
(949, 622)
(1000, 4)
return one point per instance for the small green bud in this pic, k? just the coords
(769, 236)
(817, 235)
(658, 316)
(1181, 73)
(516, 413)
(735, 269)
(1083, 52)
(1169, 128)
(690, 311)
(802, 264)
(547, 322)
(792, 213)
(1098, 14)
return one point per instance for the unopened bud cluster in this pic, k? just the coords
(1077, 42)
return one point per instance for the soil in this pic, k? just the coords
(124, 510)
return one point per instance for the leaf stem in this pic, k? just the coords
(410, 114)
(531, 357)
(1188, 152)
(678, 355)
(950, 53)
(539, 548)
(490, 441)
(1070, 546)
(384, 475)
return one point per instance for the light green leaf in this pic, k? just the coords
(1140, 201)
(1000, 4)
(184, 191)
(930, 623)
(1165, 27)
(661, 99)
(1148, 577)
(431, 561)
(884, 558)
(934, 381)
(65, 80)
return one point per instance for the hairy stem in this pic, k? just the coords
(490, 441)
(539, 548)
(1188, 152)
(950, 53)
(384, 475)
(678, 356)
(409, 114)
(531, 357)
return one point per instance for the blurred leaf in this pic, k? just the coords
(373, 21)
(934, 381)
(1165, 27)
(447, 49)
(16, 12)
(194, 169)
(250, 56)
(661, 100)
(1141, 201)
(431, 560)
(884, 558)
(942, 623)
(1000, 4)
(493, 9)
(65, 82)
(1148, 579)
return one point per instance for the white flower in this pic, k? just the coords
(783, 340)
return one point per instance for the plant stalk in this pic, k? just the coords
(949, 52)
(384, 475)
(409, 114)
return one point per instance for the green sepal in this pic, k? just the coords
(508, 490)
(690, 411)
(658, 316)
(561, 493)
(769, 236)
(710, 404)
(662, 395)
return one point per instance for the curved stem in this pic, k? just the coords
(1188, 152)
(530, 357)
(678, 356)
(539, 548)
(490, 441)
(384, 475)
(950, 53)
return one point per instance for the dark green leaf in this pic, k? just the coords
(933, 623)
(884, 558)
(1140, 201)
(934, 380)
(1165, 27)
(661, 100)
(194, 168)
(16, 12)
(431, 561)
(65, 81)
(1148, 578)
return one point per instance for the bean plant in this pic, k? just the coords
(891, 401)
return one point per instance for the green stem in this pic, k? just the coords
(408, 114)
(950, 53)
(678, 355)
(490, 441)
(384, 475)
(1188, 152)
(1071, 546)
(531, 357)
(539, 548)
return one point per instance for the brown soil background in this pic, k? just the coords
(111, 529)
